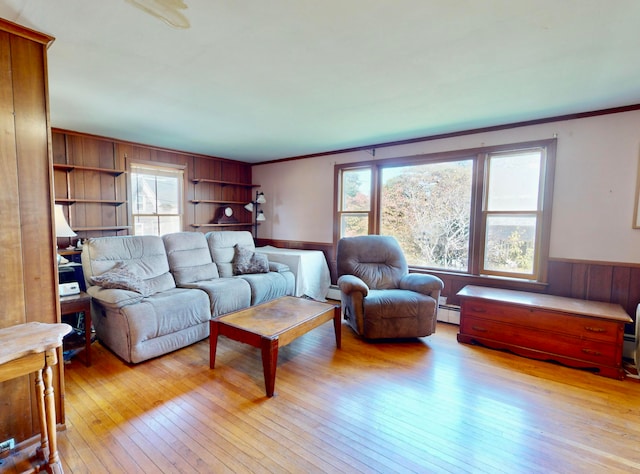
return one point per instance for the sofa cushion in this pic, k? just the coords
(120, 277)
(144, 255)
(189, 257)
(114, 298)
(221, 247)
(247, 261)
(166, 313)
(269, 286)
(225, 294)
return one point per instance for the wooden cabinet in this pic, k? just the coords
(578, 333)
(29, 277)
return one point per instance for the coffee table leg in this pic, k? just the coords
(269, 363)
(213, 343)
(337, 325)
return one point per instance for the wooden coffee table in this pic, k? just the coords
(271, 325)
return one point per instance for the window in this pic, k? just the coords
(156, 194)
(481, 212)
(355, 202)
(427, 207)
(512, 213)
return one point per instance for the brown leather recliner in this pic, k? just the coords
(380, 298)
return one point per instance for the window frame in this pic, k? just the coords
(538, 213)
(477, 216)
(340, 212)
(167, 167)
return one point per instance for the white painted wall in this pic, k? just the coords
(594, 191)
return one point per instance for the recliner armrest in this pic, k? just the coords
(426, 284)
(114, 298)
(351, 283)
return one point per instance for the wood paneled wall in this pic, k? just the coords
(28, 276)
(75, 148)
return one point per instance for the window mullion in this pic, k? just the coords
(477, 218)
(374, 211)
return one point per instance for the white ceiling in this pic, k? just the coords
(267, 79)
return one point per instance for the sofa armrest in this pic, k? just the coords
(278, 267)
(350, 283)
(113, 298)
(422, 283)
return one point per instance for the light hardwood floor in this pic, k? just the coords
(429, 405)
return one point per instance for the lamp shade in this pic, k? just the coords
(260, 217)
(260, 199)
(62, 227)
(249, 207)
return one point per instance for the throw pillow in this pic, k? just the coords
(120, 277)
(246, 261)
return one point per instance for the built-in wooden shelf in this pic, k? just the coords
(224, 183)
(222, 202)
(215, 201)
(236, 224)
(67, 168)
(89, 201)
(70, 199)
(115, 228)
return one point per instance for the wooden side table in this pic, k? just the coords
(33, 347)
(76, 304)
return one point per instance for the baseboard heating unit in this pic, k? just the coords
(448, 313)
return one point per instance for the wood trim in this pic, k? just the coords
(473, 131)
(27, 33)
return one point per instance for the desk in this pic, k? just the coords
(308, 266)
(77, 304)
(28, 348)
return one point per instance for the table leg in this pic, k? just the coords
(213, 343)
(42, 416)
(337, 325)
(269, 363)
(51, 358)
(87, 336)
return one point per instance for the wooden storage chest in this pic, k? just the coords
(577, 333)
